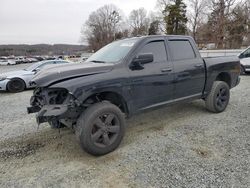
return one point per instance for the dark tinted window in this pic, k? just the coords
(181, 49)
(246, 53)
(157, 48)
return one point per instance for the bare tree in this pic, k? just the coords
(196, 14)
(139, 22)
(247, 12)
(221, 10)
(161, 7)
(228, 24)
(237, 30)
(102, 26)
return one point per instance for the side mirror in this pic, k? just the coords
(142, 59)
(36, 70)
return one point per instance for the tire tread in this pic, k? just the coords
(210, 98)
(84, 121)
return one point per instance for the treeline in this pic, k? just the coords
(223, 23)
(41, 49)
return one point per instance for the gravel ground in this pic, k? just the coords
(177, 146)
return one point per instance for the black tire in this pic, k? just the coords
(56, 124)
(16, 85)
(100, 128)
(242, 70)
(218, 98)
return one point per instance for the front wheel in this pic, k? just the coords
(101, 128)
(218, 98)
(16, 85)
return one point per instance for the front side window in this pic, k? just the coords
(157, 48)
(181, 50)
(246, 53)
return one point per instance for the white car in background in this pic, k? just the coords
(6, 61)
(245, 60)
(17, 81)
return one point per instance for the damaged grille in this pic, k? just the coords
(48, 96)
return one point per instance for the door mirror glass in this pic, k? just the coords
(143, 59)
(36, 70)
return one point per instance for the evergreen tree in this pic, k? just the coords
(154, 28)
(175, 18)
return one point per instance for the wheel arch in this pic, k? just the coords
(18, 78)
(224, 76)
(112, 96)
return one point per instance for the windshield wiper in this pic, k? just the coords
(96, 61)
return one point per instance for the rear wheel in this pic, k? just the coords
(16, 85)
(101, 128)
(218, 98)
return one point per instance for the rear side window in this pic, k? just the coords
(60, 62)
(157, 48)
(181, 49)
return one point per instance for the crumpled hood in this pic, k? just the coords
(49, 76)
(12, 74)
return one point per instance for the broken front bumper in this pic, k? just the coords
(48, 112)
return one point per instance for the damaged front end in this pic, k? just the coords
(54, 104)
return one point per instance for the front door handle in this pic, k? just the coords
(166, 70)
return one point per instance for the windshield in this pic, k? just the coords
(245, 53)
(113, 52)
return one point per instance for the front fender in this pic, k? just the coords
(83, 88)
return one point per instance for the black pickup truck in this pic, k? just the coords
(126, 77)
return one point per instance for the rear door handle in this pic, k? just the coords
(166, 70)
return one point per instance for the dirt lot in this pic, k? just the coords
(178, 146)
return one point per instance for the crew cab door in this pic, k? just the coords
(152, 84)
(189, 68)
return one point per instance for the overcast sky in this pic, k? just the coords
(53, 21)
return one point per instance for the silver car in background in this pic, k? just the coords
(17, 81)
